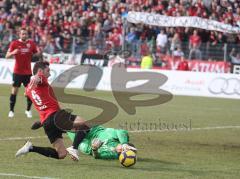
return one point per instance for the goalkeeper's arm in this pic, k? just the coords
(96, 144)
(100, 152)
(122, 136)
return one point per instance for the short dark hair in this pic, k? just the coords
(39, 65)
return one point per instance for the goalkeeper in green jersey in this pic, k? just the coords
(100, 142)
(104, 143)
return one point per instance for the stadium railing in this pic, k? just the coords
(218, 52)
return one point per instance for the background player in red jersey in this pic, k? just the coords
(54, 120)
(22, 50)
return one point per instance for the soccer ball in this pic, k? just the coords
(128, 158)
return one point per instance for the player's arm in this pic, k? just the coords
(37, 79)
(123, 136)
(96, 144)
(10, 53)
(104, 152)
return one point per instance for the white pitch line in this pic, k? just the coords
(137, 131)
(24, 176)
(21, 138)
(217, 127)
(187, 130)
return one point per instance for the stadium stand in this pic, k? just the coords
(70, 26)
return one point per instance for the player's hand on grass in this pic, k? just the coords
(96, 144)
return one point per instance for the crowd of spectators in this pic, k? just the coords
(70, 26)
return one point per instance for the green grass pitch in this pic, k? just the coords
(204, 144)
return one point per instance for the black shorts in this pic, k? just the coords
(52, 129)
(19, 79)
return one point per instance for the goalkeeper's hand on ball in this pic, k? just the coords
(96, 144)
(126, 147)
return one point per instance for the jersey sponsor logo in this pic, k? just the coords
(24, 50)
(227, 86)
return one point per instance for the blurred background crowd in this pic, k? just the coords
(94, 26)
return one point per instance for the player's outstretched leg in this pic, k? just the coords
(45, 151)
(25, 149)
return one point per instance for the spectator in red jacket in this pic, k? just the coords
(194, 45)
(183, 65)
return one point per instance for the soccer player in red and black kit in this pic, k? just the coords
(22, 50)
(54, 120)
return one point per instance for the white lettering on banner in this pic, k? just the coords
(95, 62)
(183, 21)
(204, 67)
(174, 64)
(207, 67)
(198, 65)
(220, 85)
(218, 68)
